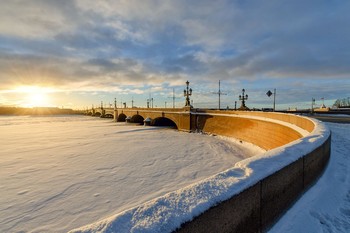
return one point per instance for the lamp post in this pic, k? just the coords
(243, 98)
(115, 103)
(312, 105)
(187, 94)
(101, 105)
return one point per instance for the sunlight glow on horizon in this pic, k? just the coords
(33, 96)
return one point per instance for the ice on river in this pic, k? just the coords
(59, 173)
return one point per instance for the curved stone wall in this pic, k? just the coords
(256, 208)
(263, 131)
(301, 122)
(248, 197)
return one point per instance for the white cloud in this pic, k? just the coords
(36, 19)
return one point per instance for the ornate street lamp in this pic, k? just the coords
(243, 98)
(187, 94)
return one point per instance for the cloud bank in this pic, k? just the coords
(87, 45)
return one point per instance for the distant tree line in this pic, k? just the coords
(34, 111)
(342, 103)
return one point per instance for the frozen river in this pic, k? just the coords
(59, 173)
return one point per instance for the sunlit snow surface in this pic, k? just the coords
(326, 206)
(59, 173)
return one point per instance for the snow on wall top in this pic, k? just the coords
(168, 212)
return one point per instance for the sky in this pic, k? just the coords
(75, 54)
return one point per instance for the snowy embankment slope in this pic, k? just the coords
(326, 206)
(168, 212)
(59, 173)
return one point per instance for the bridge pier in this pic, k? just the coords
(185, 120)
(147, 121)
(115, 115)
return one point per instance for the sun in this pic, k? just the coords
(38, 99)
(34, 96)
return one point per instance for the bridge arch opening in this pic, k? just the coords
(163, 121)
(137, 119)
(108, 115)
(97, 114)
(121, 117)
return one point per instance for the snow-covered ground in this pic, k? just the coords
(326, 206)
(59, 173)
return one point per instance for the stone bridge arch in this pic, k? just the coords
(137, 119)
(163, 121)
(178, 118)
(108, 115)
(121, 117)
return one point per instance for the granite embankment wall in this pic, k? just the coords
(257, 207)
(250, 196)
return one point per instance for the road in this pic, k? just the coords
(334, 119)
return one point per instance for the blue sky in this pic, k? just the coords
(82, 52)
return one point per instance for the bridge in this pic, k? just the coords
(265, 129)
(177, 117)
(297, 152)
